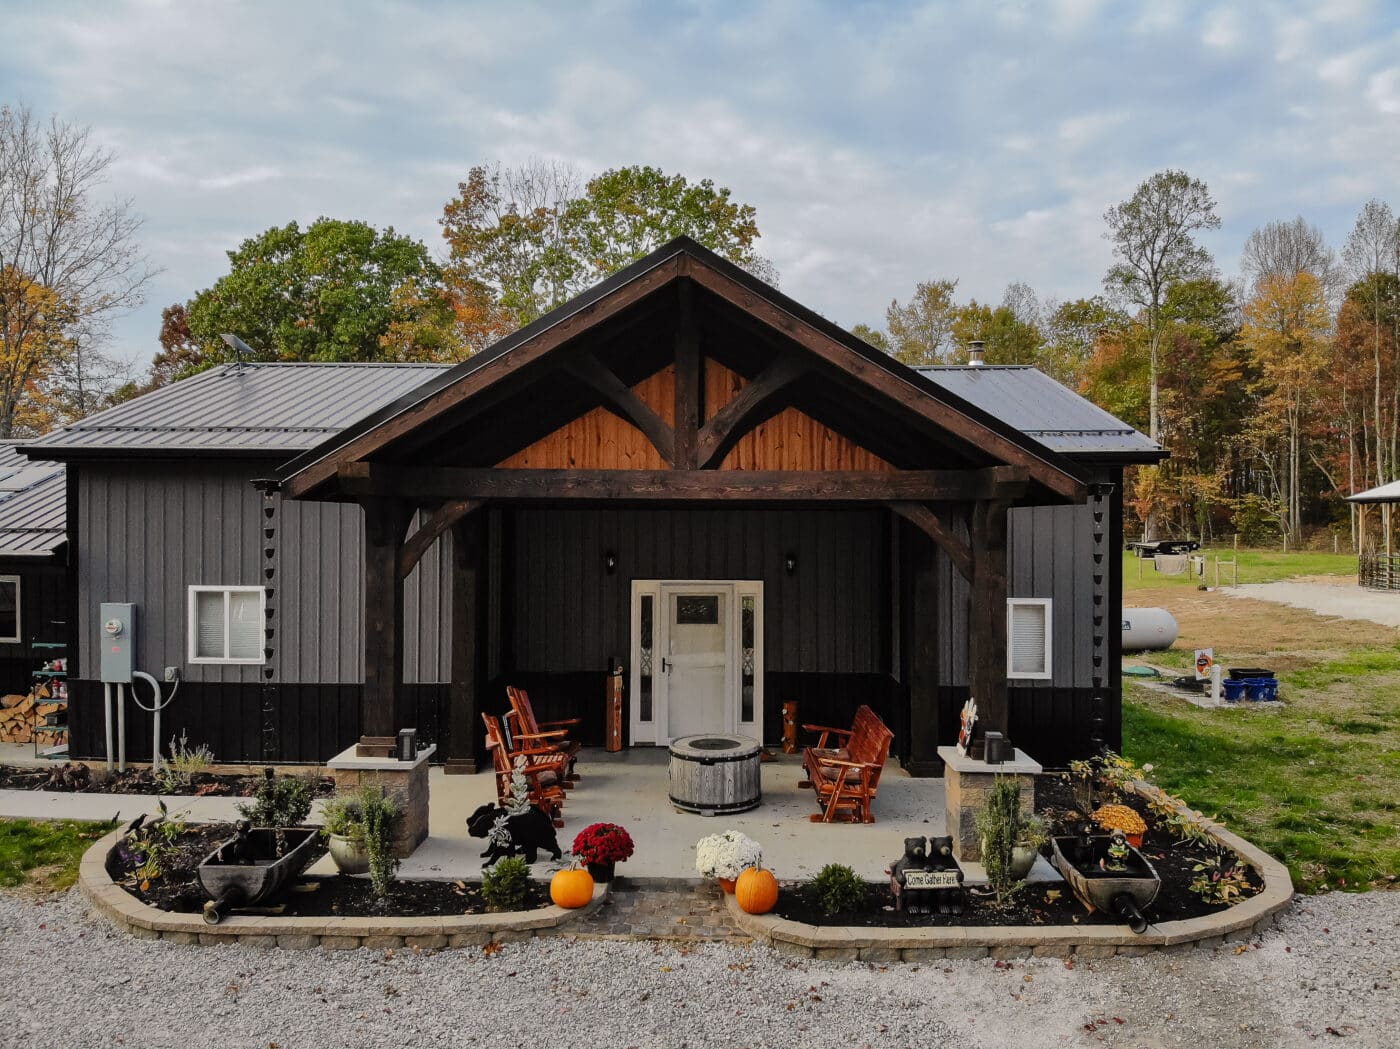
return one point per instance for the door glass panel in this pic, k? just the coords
(697, 686)
(644, 664)
(746, 654)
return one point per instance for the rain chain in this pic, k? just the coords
(269, 690)
(1098, 704)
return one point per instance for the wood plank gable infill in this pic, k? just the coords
(601, 439)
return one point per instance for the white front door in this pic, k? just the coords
(695, 658)
(697, 661)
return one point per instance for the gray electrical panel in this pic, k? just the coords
(117, 640)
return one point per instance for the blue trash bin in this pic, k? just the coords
(1234, 689)
(1261, 689)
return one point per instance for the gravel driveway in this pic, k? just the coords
(1330, 973)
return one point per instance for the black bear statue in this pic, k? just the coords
(920, 857)
(506, 835)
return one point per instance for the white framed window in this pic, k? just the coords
(1028, 638)
(226, 624)
(9, 608)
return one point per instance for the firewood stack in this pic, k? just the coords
(19, 713)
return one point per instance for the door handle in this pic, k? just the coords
(665, 665)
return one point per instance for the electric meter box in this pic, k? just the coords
(117, 640)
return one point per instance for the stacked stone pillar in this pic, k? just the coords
(967, 782)
(406, 782)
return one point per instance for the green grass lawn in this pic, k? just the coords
(1316, 783)
(44, 854)
(1256, 566)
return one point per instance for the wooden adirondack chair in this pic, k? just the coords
(543, 770)
(846, 777)
(553, 734)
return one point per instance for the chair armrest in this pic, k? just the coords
(540, 735)
(567, 722)
(825, 729)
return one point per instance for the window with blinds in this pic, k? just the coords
(226, 624)
(1028, 638)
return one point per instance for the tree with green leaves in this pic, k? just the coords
(1153, 237)
(921, 330)
(329, 292)
(1072, 333)
(530, 238)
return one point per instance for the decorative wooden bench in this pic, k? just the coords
(846, 777)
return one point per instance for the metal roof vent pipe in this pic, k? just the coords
(974, 353)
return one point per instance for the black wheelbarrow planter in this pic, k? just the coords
(1127, 893)
(246, 870)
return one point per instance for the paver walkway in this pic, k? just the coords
(662, 910)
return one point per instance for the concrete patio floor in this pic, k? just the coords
(629, 788)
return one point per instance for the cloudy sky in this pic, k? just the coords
(882, 143)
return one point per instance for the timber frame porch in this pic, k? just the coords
(684, 384)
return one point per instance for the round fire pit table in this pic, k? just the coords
(715, 773)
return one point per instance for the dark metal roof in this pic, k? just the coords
(33, 504)
(1045, 409)
(275, 409)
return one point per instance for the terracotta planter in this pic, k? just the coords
(727, 884)
(1135, 840)
(351, 857)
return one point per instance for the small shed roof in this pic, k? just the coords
(1047, 410)
(273, 409)
(1385, 493)
(33, 504)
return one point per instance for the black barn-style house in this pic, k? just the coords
(681, 471)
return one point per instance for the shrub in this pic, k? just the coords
(837, 889)
(378, 814)
(1220, 879)
(506, 885)
(279, 801)
(176, 776)
(1001, 827)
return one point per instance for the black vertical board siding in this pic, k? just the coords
(570, 616)
(316, 721)
(45, 614)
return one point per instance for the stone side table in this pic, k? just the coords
(967, 782)
(406, 782)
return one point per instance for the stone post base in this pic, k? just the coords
(966, 784)
(406, 782)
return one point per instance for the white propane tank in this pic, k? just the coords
(1146, 628)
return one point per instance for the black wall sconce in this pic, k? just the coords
(790, 563)
(610, 562)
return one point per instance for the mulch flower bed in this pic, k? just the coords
(176, 888)
(1037, 904)
(80, 778)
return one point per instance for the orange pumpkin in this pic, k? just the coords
(756, 891)
(571, 888)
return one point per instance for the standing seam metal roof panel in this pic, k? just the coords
(1039, 406)
(258, 407)
(33, 519)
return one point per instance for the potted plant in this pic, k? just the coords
(1033, 836)
(1002, 828)
(344, 828)
(359, 830)
(726, 856)
(600, 846)
(1122, 818)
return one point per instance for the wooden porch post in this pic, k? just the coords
(921, 634)
(385, 521)
(986, 662)
(465, 644)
